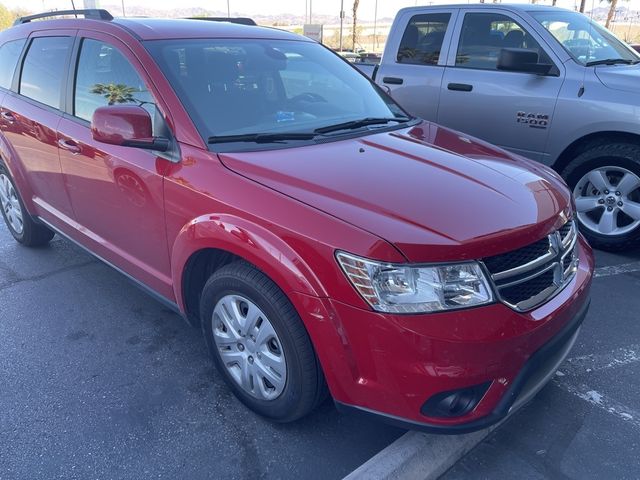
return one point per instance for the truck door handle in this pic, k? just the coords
(460, 87)
(8, 117)
(393, 80)
(69, 145)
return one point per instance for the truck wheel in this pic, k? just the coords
(605, 180)
(20, 224)
(259, 344)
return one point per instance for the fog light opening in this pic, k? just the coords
(454, 403)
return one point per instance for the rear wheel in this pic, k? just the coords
(20, 224)
(605, 180)
(259, 344)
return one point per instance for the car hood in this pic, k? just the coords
(435, 194)
(620, 77)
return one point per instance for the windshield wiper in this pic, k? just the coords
(360, 123)
(277, 137)
(260, 137)
(612, 61)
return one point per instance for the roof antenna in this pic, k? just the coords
(73, 6)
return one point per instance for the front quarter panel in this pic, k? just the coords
(599, 109)
(209, 206)
(250, 241)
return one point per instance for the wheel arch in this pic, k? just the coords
(590, 140)
(211, 241)
(9, 158)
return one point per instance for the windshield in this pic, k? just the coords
(265, 90)
(585, 40)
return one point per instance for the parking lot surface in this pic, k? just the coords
(586, 423)
(98, 380)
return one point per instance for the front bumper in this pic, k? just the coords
(390, 365)
(535, 374)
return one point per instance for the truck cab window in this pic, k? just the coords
(422, 40)
(483, 35)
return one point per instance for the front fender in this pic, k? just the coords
(8, 158)
(247, 240)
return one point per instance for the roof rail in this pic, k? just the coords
(92, 13)
(238, 20)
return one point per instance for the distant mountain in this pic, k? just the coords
(282, 19)
(624, 13)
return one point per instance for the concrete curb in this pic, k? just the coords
(418, 456)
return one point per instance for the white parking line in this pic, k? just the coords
(601, 361)
(567, 378)
(601, 401)
(617, 269)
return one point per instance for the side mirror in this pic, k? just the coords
(127, 126)
(522, 60)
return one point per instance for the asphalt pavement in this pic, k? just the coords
(586, 423)
(98, 380)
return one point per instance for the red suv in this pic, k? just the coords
(324, 240)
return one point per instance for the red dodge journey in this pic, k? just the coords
(325, 241)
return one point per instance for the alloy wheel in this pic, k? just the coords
(11, 205)
(608, 200)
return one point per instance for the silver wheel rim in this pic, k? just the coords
(608, 201)
(11, 205)
(249, 347)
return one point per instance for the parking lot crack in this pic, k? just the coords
(14, 279)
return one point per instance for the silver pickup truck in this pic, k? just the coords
(539, 81)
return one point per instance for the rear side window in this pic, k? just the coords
(105, 77)
(43, 70)
(9, 55)
(422, 40)
(485, 34)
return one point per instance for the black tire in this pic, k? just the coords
(33, 234)
(305, 386)
(618, 154)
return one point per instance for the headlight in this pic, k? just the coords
(416, 289)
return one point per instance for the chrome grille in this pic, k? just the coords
(529, 276)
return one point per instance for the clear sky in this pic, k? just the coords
(386, 8)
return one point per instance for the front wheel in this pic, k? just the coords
(20, 224)
(605, 181)
(259, 344)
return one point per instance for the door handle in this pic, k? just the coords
(393, 80)
(7, 116)
(69, 145)
(460, 87)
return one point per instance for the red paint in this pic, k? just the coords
(117, 124)
(419, 194)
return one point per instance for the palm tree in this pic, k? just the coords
(356, 4)
(115, 93)
(612, 11)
